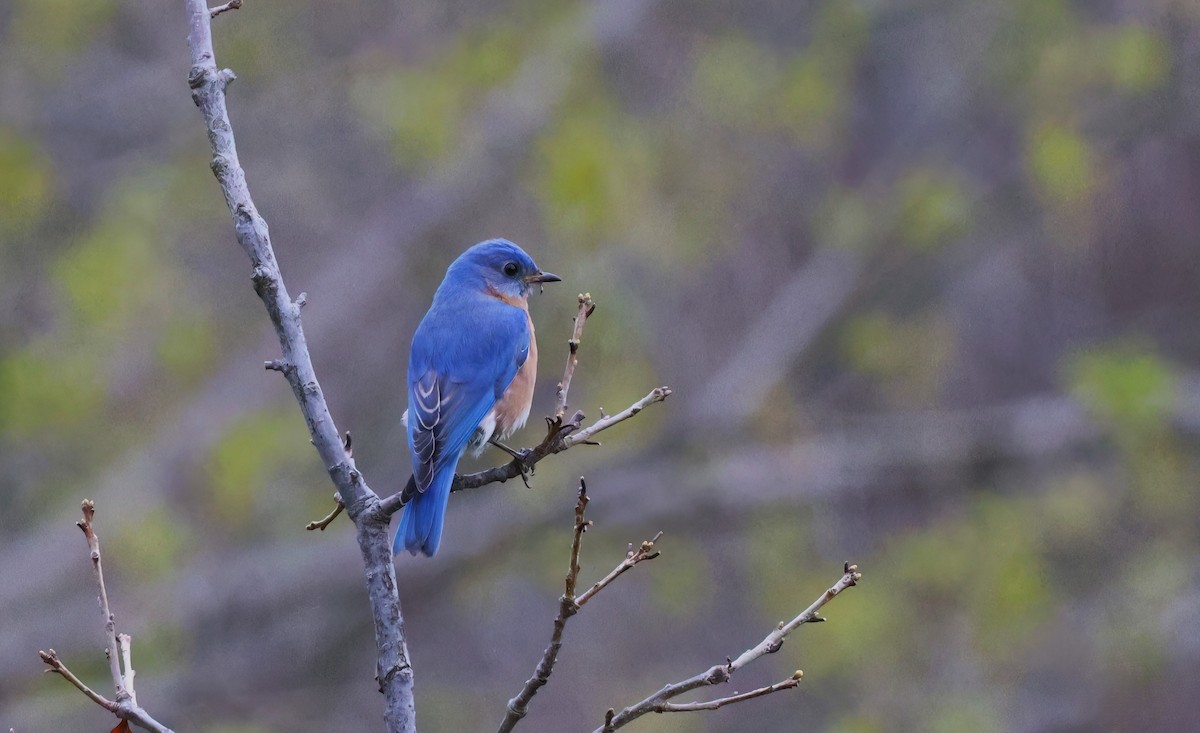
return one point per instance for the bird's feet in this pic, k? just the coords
(521, 458)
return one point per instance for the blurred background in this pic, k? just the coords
(923, 275)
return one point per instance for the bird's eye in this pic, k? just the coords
(511, 269)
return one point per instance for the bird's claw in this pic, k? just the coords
(557, 428)
(521, 458)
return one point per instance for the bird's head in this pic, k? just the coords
(501, 267)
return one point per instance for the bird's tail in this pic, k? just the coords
(420, 527)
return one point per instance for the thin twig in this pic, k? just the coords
(321, 524)
(586, 308)
(568, 606)
(720, 673)
(110, 621)
(393, 670)
(560, 436)
(645, 552)
(686, 707)
(774, 640)
(518, 706)
(658, 394)
(231, 5)
(57, 666)
(581, 526)
(117, 647)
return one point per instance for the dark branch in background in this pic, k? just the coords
(721, 673)
(569, 604)
(560, 434)
(118, 647)
(394, 673)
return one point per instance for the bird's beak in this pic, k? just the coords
(543, 277)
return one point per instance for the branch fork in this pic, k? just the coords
(209, 85)
(562, 432)
(660, 702)
(568, 606)
(118, 647)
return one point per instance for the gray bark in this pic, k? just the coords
(208, 84)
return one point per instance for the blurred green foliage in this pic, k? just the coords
(934, 208)
(150, 548)
(847, 220)
(746, 84)
(251, 453)
(187, 346)
(109, 274)
(706, 146)
(1139, 57)
(907, 356)
(957, 713)
(593, 176)
(46, 389)
(777, 539)
(423, 109)
(25, 183)
(682, 583)
(53, 31)
(1061, 163)
(1129, 386)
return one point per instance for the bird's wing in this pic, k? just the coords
(456, 374)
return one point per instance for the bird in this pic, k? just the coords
(471, 371)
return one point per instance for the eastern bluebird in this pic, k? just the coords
(470, 376)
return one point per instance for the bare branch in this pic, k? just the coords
(125, 642)
(559, 437)
(208, 84)
(774, 640)
(561, 433)
(117, 647)
(645, 552)
(568, 606)
(658, 394)
(231, 5)
(57, 666)
(586, 308)
(789, 683)
(110, 621)
(720, 673)
(321, 524)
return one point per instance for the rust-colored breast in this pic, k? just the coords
(512, 410)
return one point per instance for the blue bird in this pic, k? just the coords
(470, 377)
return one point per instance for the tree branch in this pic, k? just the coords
(568, 606)
(687, 707)
(110, 621)
(117, 646)
(231, 5)
(561, 434)
(721, 673)
(658, 394)
(394, 673)
(57, 666)
(586, 308)
(645, 551)
(327, 520)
